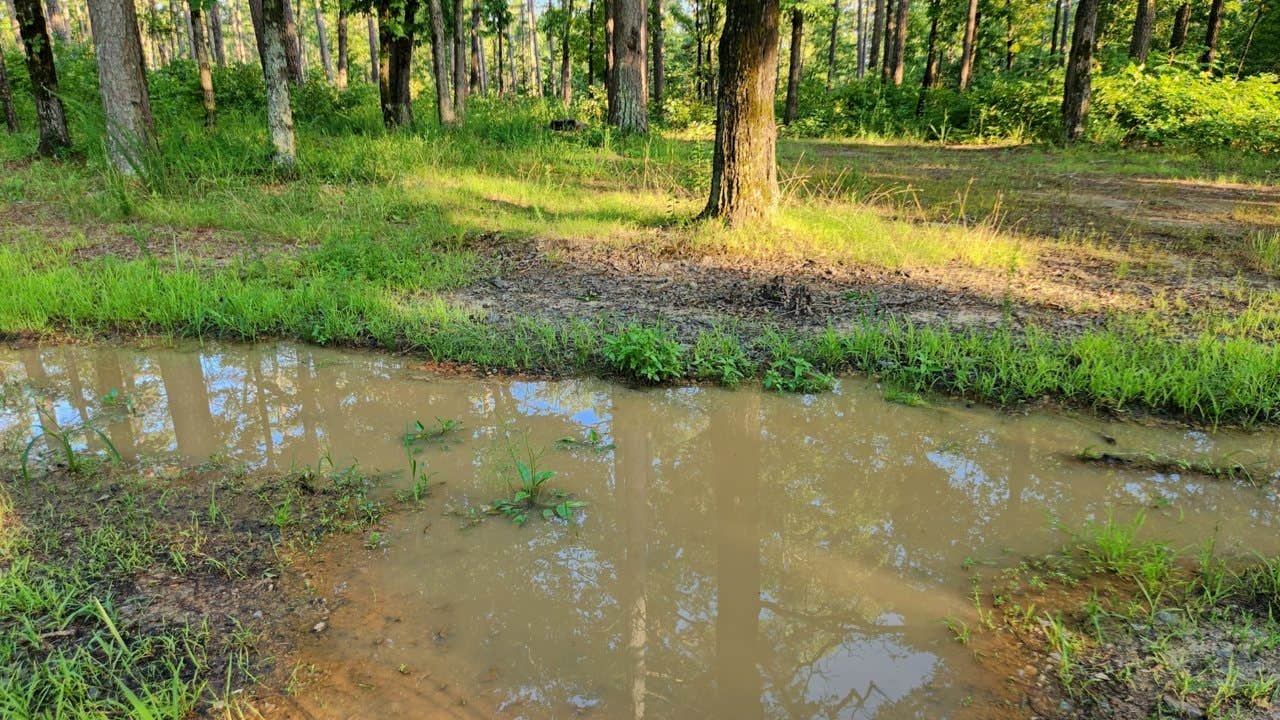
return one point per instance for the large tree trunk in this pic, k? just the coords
(6, 99)
(566, 68)
(793, 67)
(1180, 23)
(372, 29)
(344, 50)
(292, 44)
(201, 50)
(628, 109)
(269, 27)
(322, 40)
(58, 20)
(970, 43)
(900, 27)
(831, 44)
(215, 34)
(744, 174)
(479, 71)
(395, 60)
(659, 57)
(1143, 22)
(1211, 34)
(50, 116)
(13, 22)
(459, 57)
(1075, 96)
(440, 49)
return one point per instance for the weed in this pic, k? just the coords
(796, 375)
(420, 433)
(644, 353)
(1224, 468)
(529, 492)
(720, 357)
(60, 439)
(592, 440)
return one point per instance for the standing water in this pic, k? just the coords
(739, 554)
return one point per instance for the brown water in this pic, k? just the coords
(741, 555)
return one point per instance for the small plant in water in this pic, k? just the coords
(592, 440)
(530, 494)
(644, 353)
(421, 483)
(421, 433)
(796, 375)
(59, 439)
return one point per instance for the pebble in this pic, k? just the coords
(319, 627)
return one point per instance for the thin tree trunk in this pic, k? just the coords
(533, 36)
(1211, 34)
(322, 40)
(744, 175)
(275, 72)
(1143, 22)
(395, 59)
(459, 57)
(479, 73)
(215, 33)
(877, 35)
(344, 50)
(628, 110)
(511, 60)
(831, 44)
(899, 42)
(1248, 41)
(697, 34)
(886, 59)
(968, 49)
(659, 57)
(502, 63)
(1008, 36)
(591, 43)
(371, 27)
(201, 50)
(50, 116)
(1181, 21)
(793, 67)
(191, 32)
(1062, 39)
(930, 78)
(6, 99)
(566, 68)
(237, 28)
(1075, 96)
(58, 20)
(1057, 23)
(292, 45)
(440, 48)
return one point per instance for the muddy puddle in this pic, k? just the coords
(739, 554)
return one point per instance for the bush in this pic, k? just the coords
(645, 353)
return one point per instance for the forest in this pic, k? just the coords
(690, 358)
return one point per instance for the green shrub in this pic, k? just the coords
(718, 356)
(645, 353)
(796, 375)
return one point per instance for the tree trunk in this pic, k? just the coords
(344, 49)
(537, 62)
(50, 115)
(13, 22)
(1143, 22)
(877, 35)
(566, 68)
(371, 27)
(1057, 23)
(744, 174)
(1180, 23)
(628, 110)
(659, 57)
(1248, 40)
(215, 33)
(886, 59)
(479, 73)
(610, 59)
(930, 78)
(511, 60)
(395, 60)
(899, 42)
(1062, 39)
(292, 44)
(1211, 34)
(591, 43)
(6, 99)
(1008, 36)
(970, 42)
(322, 40)
(275, 73)
(237, 28)
(502, 63)
(1075, 96)
(459, 57)
(793, 67)
(440, 49)
(200, 49)
(831, 44)
(58, 20)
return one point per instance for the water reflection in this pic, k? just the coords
(742, 555)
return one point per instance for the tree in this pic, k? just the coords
(50, 115)
(930, 78)
(322, 40)
(371, 27)
(877, 34)
(831, 44)
(628, 103)
(896, 66)
(479, 69)
(1143, 23)
(566, 68)
(459, 57)
(215, 34)
(744, 175)
(1181, 21)
(292, 44)
(1211, 31)
(1075, 95)
(58, 21)
(6, 99)
(201, 49)
(397, 24)
(344, 51)
(440, 49)
(268, 20)
(969, 45)
(659, 57)
(793, 67)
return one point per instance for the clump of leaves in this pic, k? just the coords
(592, 441)
(420, 433)
(796, 375)
(530, 493)
(901, 396)
(645, 353)
(720, 357)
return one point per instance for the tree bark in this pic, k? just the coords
(744, 174)
(215, 34)
(1057, 23)
(1143, 22)
(970, 42)
(459, 57)
(659, 57)
(896, 69)
(1180, 23)
(930, 78)
(591, 43)
(275, 73)
(200, 49)
(793, 67)
(566, 68)
(395, 60)
(533, 36)
(831, 44)
(322, 40)
(610, 59)
(292, 44)
(628, 110)
(479, 72)
(344, 49)
(58, 20)
(440, 49)
(6, 99)
(371, 27)
(1075, 95)
(13, 22)
(1248, 40)
(1062, 39)
(237, 28)
(50, 116)
(1211, 34)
